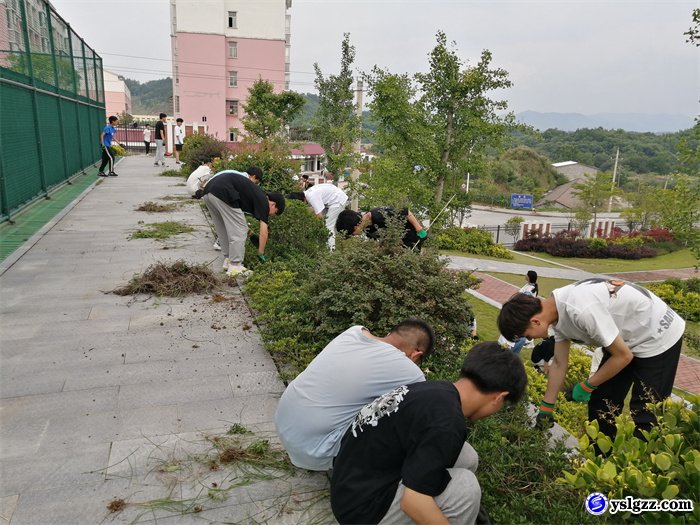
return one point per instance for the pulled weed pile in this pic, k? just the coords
(175, 280)
(155, 207)
(161, 230)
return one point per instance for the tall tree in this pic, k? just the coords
(443, 120)
(693, 32)
(594, 192)
(336, 125)
(268, 112)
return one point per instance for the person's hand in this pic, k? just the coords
(422, 234)
(254, 238)
(545, 417)
(262, 257)
(582, 391)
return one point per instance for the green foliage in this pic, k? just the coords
(594, 192)
(471, 240)
(663, 465)
(198, 149)
(152, 97)
(680, 212)
(518, 469)
(682, 296)
(693, 32)
(522, 170)
(296, 237)
(161, 230)
(336, 126)
(513, 226)
(119, 151)
(267, 112)
(271, 157)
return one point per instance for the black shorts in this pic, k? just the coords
(178, 147)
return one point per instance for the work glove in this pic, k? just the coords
(262, 257)
(422, 234)
(545, 417)
(582, 391)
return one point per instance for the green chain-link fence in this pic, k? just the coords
(51, 102)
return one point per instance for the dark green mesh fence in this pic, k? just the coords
(51, 102)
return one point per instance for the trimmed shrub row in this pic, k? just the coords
(471, 240)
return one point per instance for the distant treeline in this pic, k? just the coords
(151, 98)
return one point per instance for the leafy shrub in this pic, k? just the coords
(518, 469)
(297, 237)
(471, 240)
(681, 296)
(198, 149)
(119, 151)
(567, 244)
(272, 158)
(663, 465)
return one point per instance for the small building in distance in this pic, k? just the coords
(573, 170)
(117, 94)
(563, 196)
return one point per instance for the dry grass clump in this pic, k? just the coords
(172, 280)
(151, 206)
(161, 230)
(116, 505)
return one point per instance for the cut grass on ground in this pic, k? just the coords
(545, 284)
(171, 173)
(161, 230)
(679, 259)
(151, 206)
(517, 258)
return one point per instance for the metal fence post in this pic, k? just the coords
(35, 103)
(498, 232)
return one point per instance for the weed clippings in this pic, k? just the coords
(151, 206)
(116, 505)
(174, 280)
(171, 173)
(237, 428)
(161, 230)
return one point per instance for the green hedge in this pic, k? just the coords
(471, 240)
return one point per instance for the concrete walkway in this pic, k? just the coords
(106, 398)
(496, 292)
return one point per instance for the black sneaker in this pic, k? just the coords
(102, 174)
(112, 174)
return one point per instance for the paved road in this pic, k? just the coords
(105, 397)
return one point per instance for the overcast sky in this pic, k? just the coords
(623, 56)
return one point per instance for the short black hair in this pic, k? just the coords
(256, 172)
(348, 221)
(162, 115)
(426, 340)
(179, 120)
(297, 196)
(305, 177)
(278, 199)
(532, 276)
(112, 119)
(492, 368)
(516, 313)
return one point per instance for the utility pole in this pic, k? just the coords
(354, 203)
(617, 157)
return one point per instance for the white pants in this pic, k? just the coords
(459, 502)
(160, 151)
(331, 219)
(231, 228)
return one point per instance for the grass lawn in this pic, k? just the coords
(545, 284)
(485, 318)
(691, 327)
(517, 258)
(679, 259)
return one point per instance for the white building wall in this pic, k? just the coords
(254, 18)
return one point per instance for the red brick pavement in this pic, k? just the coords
(688, 373)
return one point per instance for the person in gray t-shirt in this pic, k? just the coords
(353, 369)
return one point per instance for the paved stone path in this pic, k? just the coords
(496, 291)
(105, 397)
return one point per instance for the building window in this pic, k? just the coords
(232, 107)
(233, 49)
(232, 15)
(204, 119)
(233, 136)
(232, 78)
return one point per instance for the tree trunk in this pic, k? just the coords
(444, 159)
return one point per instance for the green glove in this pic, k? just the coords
(262, 257)
(582, 392)
(422, 234)
(545, 417)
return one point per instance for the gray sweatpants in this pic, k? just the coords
(231, 228)
(459, 502)
(160, 151)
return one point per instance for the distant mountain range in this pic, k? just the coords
(657, 123)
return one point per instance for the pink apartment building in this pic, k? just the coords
(117, 94)
(219, 48)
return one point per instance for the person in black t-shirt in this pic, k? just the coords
(160, 140)
(355, 223)
(400, 459)
(228, 196)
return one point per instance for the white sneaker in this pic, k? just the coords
(236, 269)
(217, 246)
(226, 265)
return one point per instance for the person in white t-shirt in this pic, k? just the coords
(179, 136)
(327, 201)
(640, 335)
(147, 138)
(354, 368)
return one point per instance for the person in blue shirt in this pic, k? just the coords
(106, 139)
